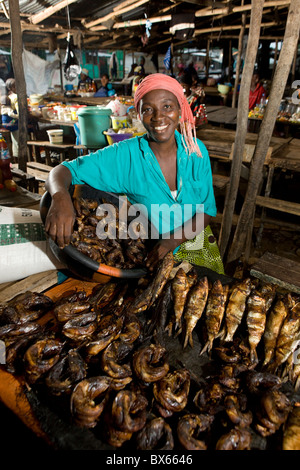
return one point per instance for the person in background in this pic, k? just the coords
(106, 88)
(192, 72)
(84, 78)
(10, 122)
(195, 96)
(131, 72)
(256, 91)
(10, 114)
(137, 78)
(163, 170)
(142, 65)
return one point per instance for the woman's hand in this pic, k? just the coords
(159, 251)
(60, 219)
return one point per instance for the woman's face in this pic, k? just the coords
(159, 111)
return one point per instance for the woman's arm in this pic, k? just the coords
(191, 228)
(61, 215)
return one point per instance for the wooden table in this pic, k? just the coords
(220, 143)
(221, 115)
(19, 198)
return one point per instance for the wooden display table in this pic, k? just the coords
(19, 198)
(278, 270)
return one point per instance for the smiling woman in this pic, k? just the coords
(165, 172)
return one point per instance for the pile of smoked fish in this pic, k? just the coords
(114, 249)
(105, 356)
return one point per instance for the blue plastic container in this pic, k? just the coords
(93, 121)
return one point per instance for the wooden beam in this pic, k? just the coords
(38, 17)
(242, 122)
(283, 67)
(114, 13)
(224, 11)
(239, 59)
(4, 9)
(17, 62)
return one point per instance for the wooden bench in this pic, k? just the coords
(25, 180)
(278, 270)
(39, 170)
(220, 181)
(36, 173)
(278, 205)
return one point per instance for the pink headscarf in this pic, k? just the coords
(159, 81)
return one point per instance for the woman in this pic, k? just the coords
(195, 96)
(167, 172)
(10, 113)
(257, 91)
(106, 88)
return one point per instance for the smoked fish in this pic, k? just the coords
(236, 307)
(214, 312)
(195, 306)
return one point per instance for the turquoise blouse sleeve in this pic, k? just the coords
(103, 169)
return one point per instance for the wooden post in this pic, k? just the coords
(242, 123)
(284, 63)
(239, 60)
(275, 59)
(207, 60)
(293, 71)
(17, 62)
(230, 61)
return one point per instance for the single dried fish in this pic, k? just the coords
(256, 321)
(195, 306)
(274, 323)
(236, 308)
(214, 313)
(144, 300)
(291, 433)
(180, 288)
(288, 337)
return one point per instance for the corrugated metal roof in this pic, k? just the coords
(125, 27)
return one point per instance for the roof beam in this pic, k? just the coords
(38, 17)
(114, 13)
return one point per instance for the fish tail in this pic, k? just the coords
(187, 340)
(253, 356)
(222, 334)
(207, 346)
(168, 328)
(227, 337)
(178, 332)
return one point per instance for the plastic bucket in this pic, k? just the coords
(93, 121)
(113, 138)
(55, 136)
(118, 122)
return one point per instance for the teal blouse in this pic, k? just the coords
(131, 168)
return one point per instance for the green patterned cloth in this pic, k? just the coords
(201, 251)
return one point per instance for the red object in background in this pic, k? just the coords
(4, 160)
(255, 96)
